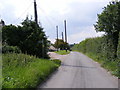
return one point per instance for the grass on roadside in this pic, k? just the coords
(0, 63)
(62, 52)
(111, 66)
(24, 71)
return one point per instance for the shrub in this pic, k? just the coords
(10, 49)
(118, 50)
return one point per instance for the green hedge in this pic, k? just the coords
(99, 50)
(118, 51)
(92, 45)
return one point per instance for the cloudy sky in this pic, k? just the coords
(80, 16)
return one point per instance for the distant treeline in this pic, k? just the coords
(105, 49)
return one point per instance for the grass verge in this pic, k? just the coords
(0, 59)
(62, 52)
(24, 71)
(111, 66)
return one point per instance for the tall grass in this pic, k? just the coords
(24, 71)
(110, 66)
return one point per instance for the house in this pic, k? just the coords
(52, 48)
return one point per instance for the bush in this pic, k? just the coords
(118, 54)
(118, 50)
(10, 49)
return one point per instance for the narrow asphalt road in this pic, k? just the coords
(79, 71)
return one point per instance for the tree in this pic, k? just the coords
(59, 43)
(9, 35)
(109, 22)
(29, 37)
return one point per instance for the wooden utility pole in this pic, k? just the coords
(65, 31)
(35, 12)
(57, 36)
(62, 36)
(65, 34)
(42, 48)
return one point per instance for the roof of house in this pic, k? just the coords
(52, 48)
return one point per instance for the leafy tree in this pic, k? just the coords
(109, 22)
(29, 37)
(59, 43)
(10, 35)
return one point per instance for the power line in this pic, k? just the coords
(49, 22)
(23, 12)
(50, 19)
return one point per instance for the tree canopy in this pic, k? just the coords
(59, 43)
(29, 37)
(109, 22)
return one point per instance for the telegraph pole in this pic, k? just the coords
(35, 12)
(62, 36)
(65, 34)
(43, 48)
(63, 41)
(65, 31)
(57, 36)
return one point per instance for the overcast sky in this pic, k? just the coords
(80, 16)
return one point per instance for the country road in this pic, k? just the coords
(79, 71)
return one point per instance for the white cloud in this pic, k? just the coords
(1, 6)
(86, 1)
(87, 32)
(52, 40)
(80, 15)
(22, 8)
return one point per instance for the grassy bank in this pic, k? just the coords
(24, 71)
(0, 71)
(98, 50)
(110, 66)
(62, 52)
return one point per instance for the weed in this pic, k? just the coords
(24, 71)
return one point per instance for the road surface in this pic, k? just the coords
(79, 71)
